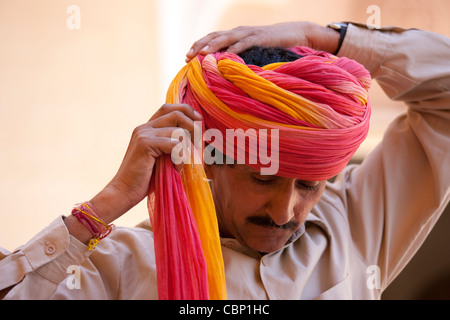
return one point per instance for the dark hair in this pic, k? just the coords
(261, 56)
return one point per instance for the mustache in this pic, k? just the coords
(265, 221)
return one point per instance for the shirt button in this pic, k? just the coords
(229, 245)
(264, 261)
(50, 249)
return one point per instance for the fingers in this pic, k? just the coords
(202, 46)
(163, 131)
(183, 108)
(231, 40)
(176, 115)
(157, 141)
(242, 45)
(199, 45)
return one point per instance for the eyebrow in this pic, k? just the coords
(250, 170)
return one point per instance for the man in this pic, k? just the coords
(373, 217)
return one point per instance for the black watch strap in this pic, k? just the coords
(342, 29)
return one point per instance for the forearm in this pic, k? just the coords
(410, 65)
(320, 38)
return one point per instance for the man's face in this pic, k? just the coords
(260, 211)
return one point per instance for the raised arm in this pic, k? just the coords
(395, 197)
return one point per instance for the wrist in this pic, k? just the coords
(86, 225)
(110, 204)
(77, 230)
(86, 214)
(341, 29)
(323, 38)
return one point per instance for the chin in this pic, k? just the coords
(268, 249)
(266, 245)
(262, 239)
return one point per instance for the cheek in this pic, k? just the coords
(313, 199)
(234, 201)
(307, 202)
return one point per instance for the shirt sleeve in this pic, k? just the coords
(396, 195)
(35, 270)
(55, 265)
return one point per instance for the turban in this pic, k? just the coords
(319, 110)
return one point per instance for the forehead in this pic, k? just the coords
(246, 170)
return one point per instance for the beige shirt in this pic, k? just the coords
(360, 235)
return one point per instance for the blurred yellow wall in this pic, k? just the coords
(69, 99)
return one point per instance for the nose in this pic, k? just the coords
(282, 204)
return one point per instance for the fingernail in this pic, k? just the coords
(190, 52)
(198, 115)
(205, 49)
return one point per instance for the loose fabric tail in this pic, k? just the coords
(180, 263)
(188, 253)
(201, 202)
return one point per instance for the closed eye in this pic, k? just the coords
(301, 184)
(264, 181)
(308, 185)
